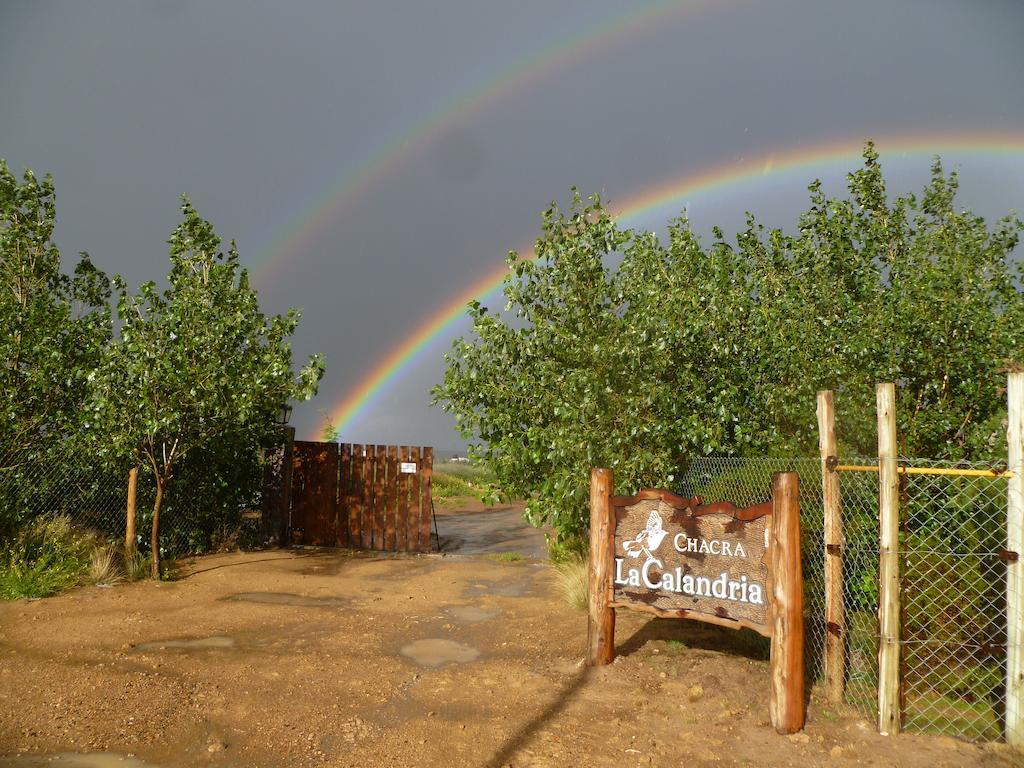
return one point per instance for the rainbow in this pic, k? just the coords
(667, 198)
(305, 226)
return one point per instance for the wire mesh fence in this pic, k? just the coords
(859, 507)
(61, 483)
(954, 600)
(953, 582)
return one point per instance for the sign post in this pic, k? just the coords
(601, 624)
(786, 704)
(673, 557)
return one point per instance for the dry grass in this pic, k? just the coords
(572, 576)
(104, 565)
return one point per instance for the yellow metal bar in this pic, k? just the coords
(950, 471)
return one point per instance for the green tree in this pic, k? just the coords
(619, 349)
(195, 365)
(53, 328)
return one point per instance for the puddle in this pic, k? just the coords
(490, 532)
(75, 760)
(470, 614)
(514, 588)
(285, 598)
(198, 644)
(435, 652)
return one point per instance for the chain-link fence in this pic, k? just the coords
(194, 518)
(953, 581)
(859, 506)
(952, 590)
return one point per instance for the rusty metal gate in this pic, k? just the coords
(361, 496)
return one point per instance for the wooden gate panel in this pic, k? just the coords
(413, 517)
(391, 500)
(344, 489)
(315, 496)
(355, 495)
(358, 496)
(369, 456)
(402, 502)
(380, 509)
(426, 472)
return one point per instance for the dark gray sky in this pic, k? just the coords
(259, 110)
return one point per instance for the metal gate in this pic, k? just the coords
(362, 496)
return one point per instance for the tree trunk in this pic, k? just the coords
(154, 542)
(129, 528)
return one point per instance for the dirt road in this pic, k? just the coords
(333, 659)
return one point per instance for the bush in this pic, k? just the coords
(48, 555)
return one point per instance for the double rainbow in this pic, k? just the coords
(668, 198)
(306, 226)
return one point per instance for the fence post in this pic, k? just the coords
(786, 706)
(601, 619)
(1015, 570)
(835, 542)
(129, 525)
(888, 563)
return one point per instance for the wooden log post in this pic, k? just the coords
(129, 526)
(835, 543)
(786, 707)
(1015, 569)
(888, 564)
(601, 623)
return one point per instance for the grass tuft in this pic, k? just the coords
(104, 565)
(572, 577)
(136, 566)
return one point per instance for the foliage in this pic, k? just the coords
(47, 556)
(618, 349)
(54, 326)
(194, 364)
(330, 432)
(458, 478)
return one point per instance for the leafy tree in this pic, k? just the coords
(53, 328)
(54, 324)
(195, 365)
(618, 349)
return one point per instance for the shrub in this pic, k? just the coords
(48, 555)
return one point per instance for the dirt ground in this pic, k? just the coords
(313, 658)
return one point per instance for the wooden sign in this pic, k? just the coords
(683, 559)
(678, 558)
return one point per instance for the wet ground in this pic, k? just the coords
(473, 529)
(316, 658)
